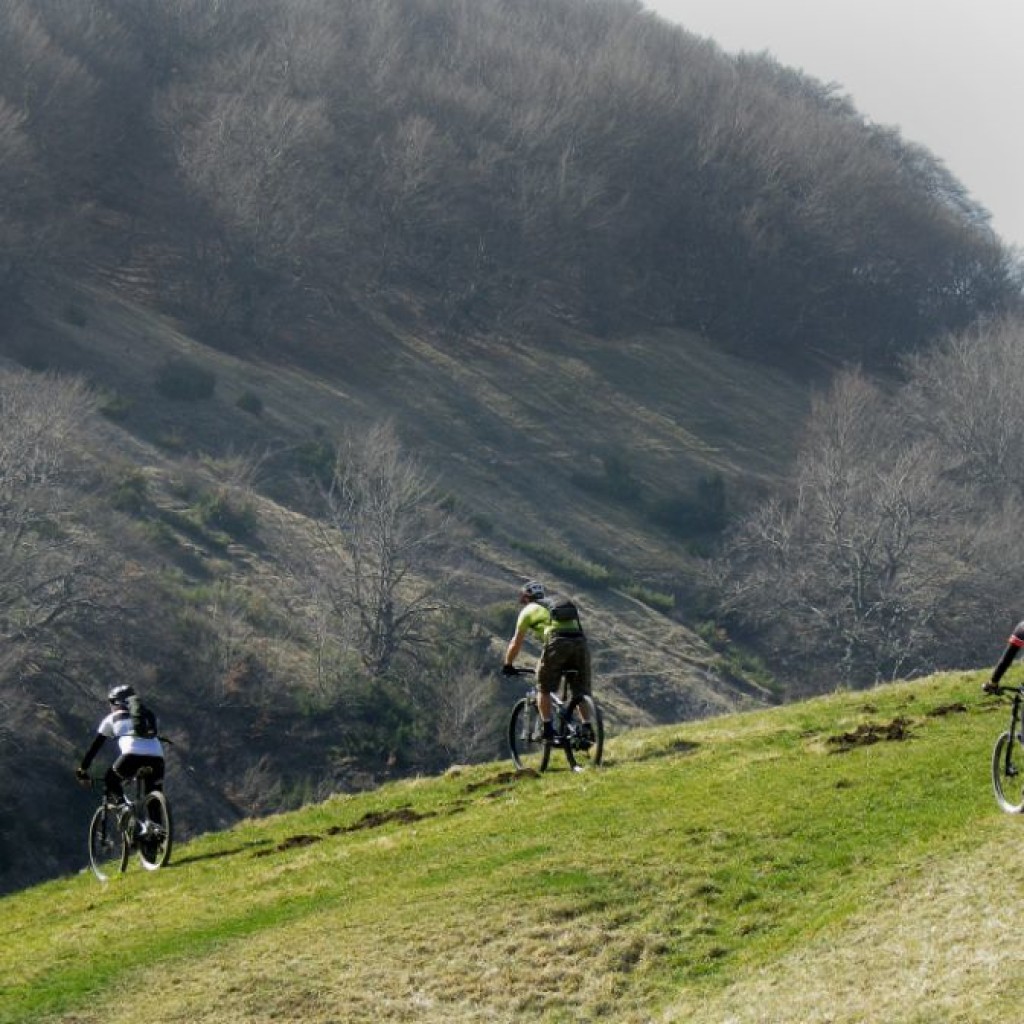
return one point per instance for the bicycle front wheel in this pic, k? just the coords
(525, 737)
(106, 843)
(155, 835)
(1007, 777)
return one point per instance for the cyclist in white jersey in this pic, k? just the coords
(134, 752)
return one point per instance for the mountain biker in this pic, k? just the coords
(563, 648)
(135, 752)
(1013, 646)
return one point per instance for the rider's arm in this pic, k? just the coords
(1013, 646)
(515, 645)
(529, 618)
(97, 742)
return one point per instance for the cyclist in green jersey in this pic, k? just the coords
(555, 624)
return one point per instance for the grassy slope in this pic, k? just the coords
(742, 868)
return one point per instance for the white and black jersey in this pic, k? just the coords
(118, 726)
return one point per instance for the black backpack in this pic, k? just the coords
(563, 609)
(143, 719)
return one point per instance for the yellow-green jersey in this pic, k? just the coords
(537, 619)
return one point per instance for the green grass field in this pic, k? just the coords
(838, 860)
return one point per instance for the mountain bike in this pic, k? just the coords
(142, 823)
(1008, 757)
(582, 740)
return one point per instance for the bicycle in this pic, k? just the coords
(142, 823)
(580, 743)
(1008, 756)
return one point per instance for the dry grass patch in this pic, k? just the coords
(940, 946)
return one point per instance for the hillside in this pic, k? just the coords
(838, 860)
(512, 433)
(586, 267)
(509, 439)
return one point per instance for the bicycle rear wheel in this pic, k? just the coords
(106, 843)
(155, 836)
(585, 746)
(1007, 777)
(525, 737)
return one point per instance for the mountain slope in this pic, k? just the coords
(513, 434)
(519, 441)
(834, 860)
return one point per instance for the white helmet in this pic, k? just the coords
(533, 590)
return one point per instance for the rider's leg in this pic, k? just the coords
(580, 684)
(120, 771)
(114, 784)
(544, 705)
(547, 679)
(154, 778)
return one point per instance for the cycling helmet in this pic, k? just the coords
(119, 695)
(533, 590)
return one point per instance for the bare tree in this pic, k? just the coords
(466, 720)
(43, 551)
(966, 394)
(386, 530)
(853, 571)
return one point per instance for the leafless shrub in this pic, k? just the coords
(385, 531)
(43, 550)
(466, 720)
(856, 567)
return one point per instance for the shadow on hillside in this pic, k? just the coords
(218, 854)
(871, 732)
(376, 819)
(657, 751)
(372, 819)
(291, 843)
(502, 781)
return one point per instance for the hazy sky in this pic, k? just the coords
(948, 73)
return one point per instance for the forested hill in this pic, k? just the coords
(267, 170)
(325, 325)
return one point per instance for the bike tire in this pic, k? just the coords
(1008, 773)
(529, 751)
(156, 831)
(106, 843)
(582, 755)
